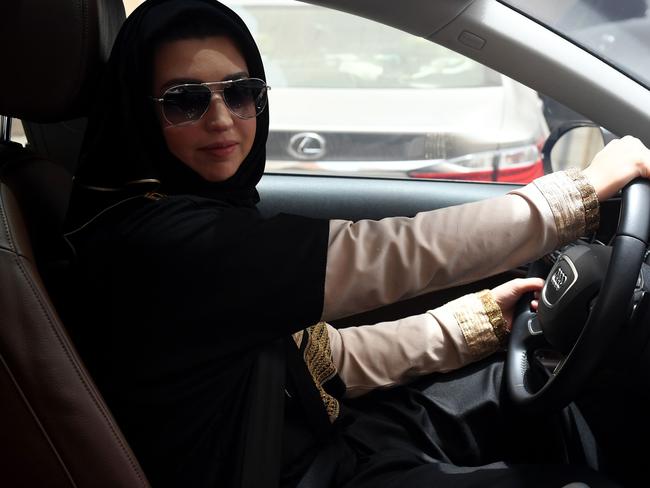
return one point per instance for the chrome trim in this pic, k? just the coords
(530, 328)
(307, 146)
(575, 278)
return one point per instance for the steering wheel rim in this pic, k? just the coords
(605, 320)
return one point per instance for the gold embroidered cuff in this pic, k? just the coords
(495, 316)
(589, 200)
(473, 320)
(573, 203)
(318, 358)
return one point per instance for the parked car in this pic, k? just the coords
(450, 116)
(56, 427)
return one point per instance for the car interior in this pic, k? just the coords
(57, 429)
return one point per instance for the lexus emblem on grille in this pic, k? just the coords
(558, 279)
(307, 146)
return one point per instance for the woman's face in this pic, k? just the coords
(217, 144)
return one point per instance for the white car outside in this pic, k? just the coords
(451, 117)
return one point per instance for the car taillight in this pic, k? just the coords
(519, 164)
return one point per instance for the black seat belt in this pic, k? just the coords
(320, 473)
(261, 458)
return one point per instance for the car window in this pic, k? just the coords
(353, 97)
(344, 52)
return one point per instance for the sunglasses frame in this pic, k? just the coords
(210, 85)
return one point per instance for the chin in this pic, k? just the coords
(215, 171)
(218, 176)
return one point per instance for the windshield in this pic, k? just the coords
(337, 50)
(616, 30)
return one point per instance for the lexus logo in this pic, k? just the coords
(307, 146)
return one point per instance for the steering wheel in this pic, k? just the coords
(570, 322)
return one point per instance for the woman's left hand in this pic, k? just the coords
(508, 294)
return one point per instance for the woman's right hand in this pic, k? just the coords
(508, 294)
(618, 163)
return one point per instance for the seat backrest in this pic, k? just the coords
(51, 64)
(55, 427)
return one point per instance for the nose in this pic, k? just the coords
(218, 117)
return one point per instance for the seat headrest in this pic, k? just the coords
(51, 63)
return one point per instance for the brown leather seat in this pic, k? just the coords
(55, 428)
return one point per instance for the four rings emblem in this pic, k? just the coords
(558, 279)
(307, 146)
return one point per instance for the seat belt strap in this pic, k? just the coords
(264, 420)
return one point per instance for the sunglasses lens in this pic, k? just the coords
(246, 98)
(183, 104)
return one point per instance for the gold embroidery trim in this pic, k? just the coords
(319, 361)
(473, 321)
(573, 202)
(495, 316)
(566, 205)
(589, 200)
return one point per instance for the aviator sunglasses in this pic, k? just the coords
(186, 103)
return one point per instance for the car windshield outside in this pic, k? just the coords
(616, 31)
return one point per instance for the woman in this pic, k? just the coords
(183, 283)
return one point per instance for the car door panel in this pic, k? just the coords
(347, 198)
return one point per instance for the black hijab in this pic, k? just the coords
(124, 152)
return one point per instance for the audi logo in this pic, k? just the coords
(558, 279)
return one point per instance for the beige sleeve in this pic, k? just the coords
(373, 263)
(392, 353)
